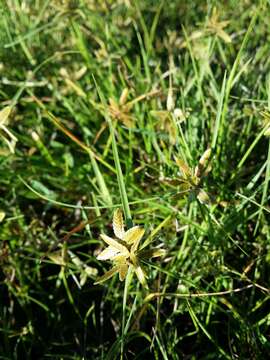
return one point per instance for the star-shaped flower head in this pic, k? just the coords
(169, 118)
(124, 250)
(215, 26)
(192, 178)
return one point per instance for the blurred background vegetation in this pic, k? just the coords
(58, 179)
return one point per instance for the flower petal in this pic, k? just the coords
(4, 114)
(152, 253)
(123, 271)
(203, 197)
(57, 257)
(112, 242)
(184, 168)
(201, 167)
(109, 253)
(120, 259)
(118, 224)
(107, 275)
(141, 275)
(133, 235)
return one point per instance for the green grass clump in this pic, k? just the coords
(161, 109)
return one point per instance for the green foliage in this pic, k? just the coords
(112, 105)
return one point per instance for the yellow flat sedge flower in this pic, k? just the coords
(124, 251)
(192, 178)
(169, 118)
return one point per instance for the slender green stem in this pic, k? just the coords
(120, 177)
(127, 283)
(119, 173)
(219, 112)
(127, 213)
(232, 75)
(265, 188)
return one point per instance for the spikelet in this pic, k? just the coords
(184, 168)
(107, 275)
(4, 114)
(124, 96)
(114, 243)
(118, 224)
(170, 100)
(202, 165)
(133, 234)
(203, 197)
